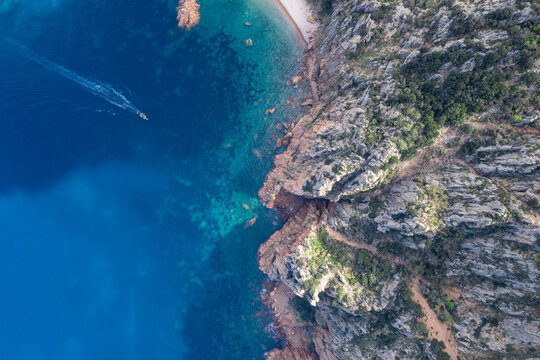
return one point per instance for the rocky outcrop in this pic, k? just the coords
(459, 227)
(367, 120)
(412, 186)
(188, 14)
(274, 253)
(278, 297)
(511, 161)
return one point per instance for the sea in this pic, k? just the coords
(126, 238)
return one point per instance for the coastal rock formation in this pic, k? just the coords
(412, 186)
(279, 298)
(188, 14)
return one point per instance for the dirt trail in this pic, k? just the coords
(520, 129)
(436, 329)
(340, 237)
(360, 245)
(419, 163)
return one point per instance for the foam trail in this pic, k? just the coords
(102, 89)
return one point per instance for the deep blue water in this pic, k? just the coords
(122, 238)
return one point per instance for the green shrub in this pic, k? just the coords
(439, 347)
(308, 186)
(375, 206)
(304, 309)
(531, 78)
(323, 7)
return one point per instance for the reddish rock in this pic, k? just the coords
(296, 79)
(250, 222)
(188, 14)
(323, 342)
(274, 252)
(290, 354)
(279, 178)
(307, 102)
(278, 298)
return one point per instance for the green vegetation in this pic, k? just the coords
(448, 103)
(405, 300)
(323, 7)
(531, 78)
(375, 206)
(504, 197)
(304, 309)
(384, 13)
(429, 206)
(373, 133)
(308, 186)
(452, 95)
(470, 147)
(440, 251)
(336, 168)
(439, 347)
(362, 271)
(391, 162)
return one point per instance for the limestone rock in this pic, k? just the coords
(372, 206)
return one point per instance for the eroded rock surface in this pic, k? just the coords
(412, 186)
(188, 14)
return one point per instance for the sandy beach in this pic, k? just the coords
(298, 11)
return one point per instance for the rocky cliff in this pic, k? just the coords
(412, 185)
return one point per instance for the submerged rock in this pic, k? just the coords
(250, 222)
(296, 79)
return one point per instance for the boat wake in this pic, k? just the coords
(99, 88)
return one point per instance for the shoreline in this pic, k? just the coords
(298, 11)
(277, 296)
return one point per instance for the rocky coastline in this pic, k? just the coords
(411, 186)
(188, 15)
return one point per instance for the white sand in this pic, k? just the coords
(298, 12)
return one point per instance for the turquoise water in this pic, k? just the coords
(122, 238)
